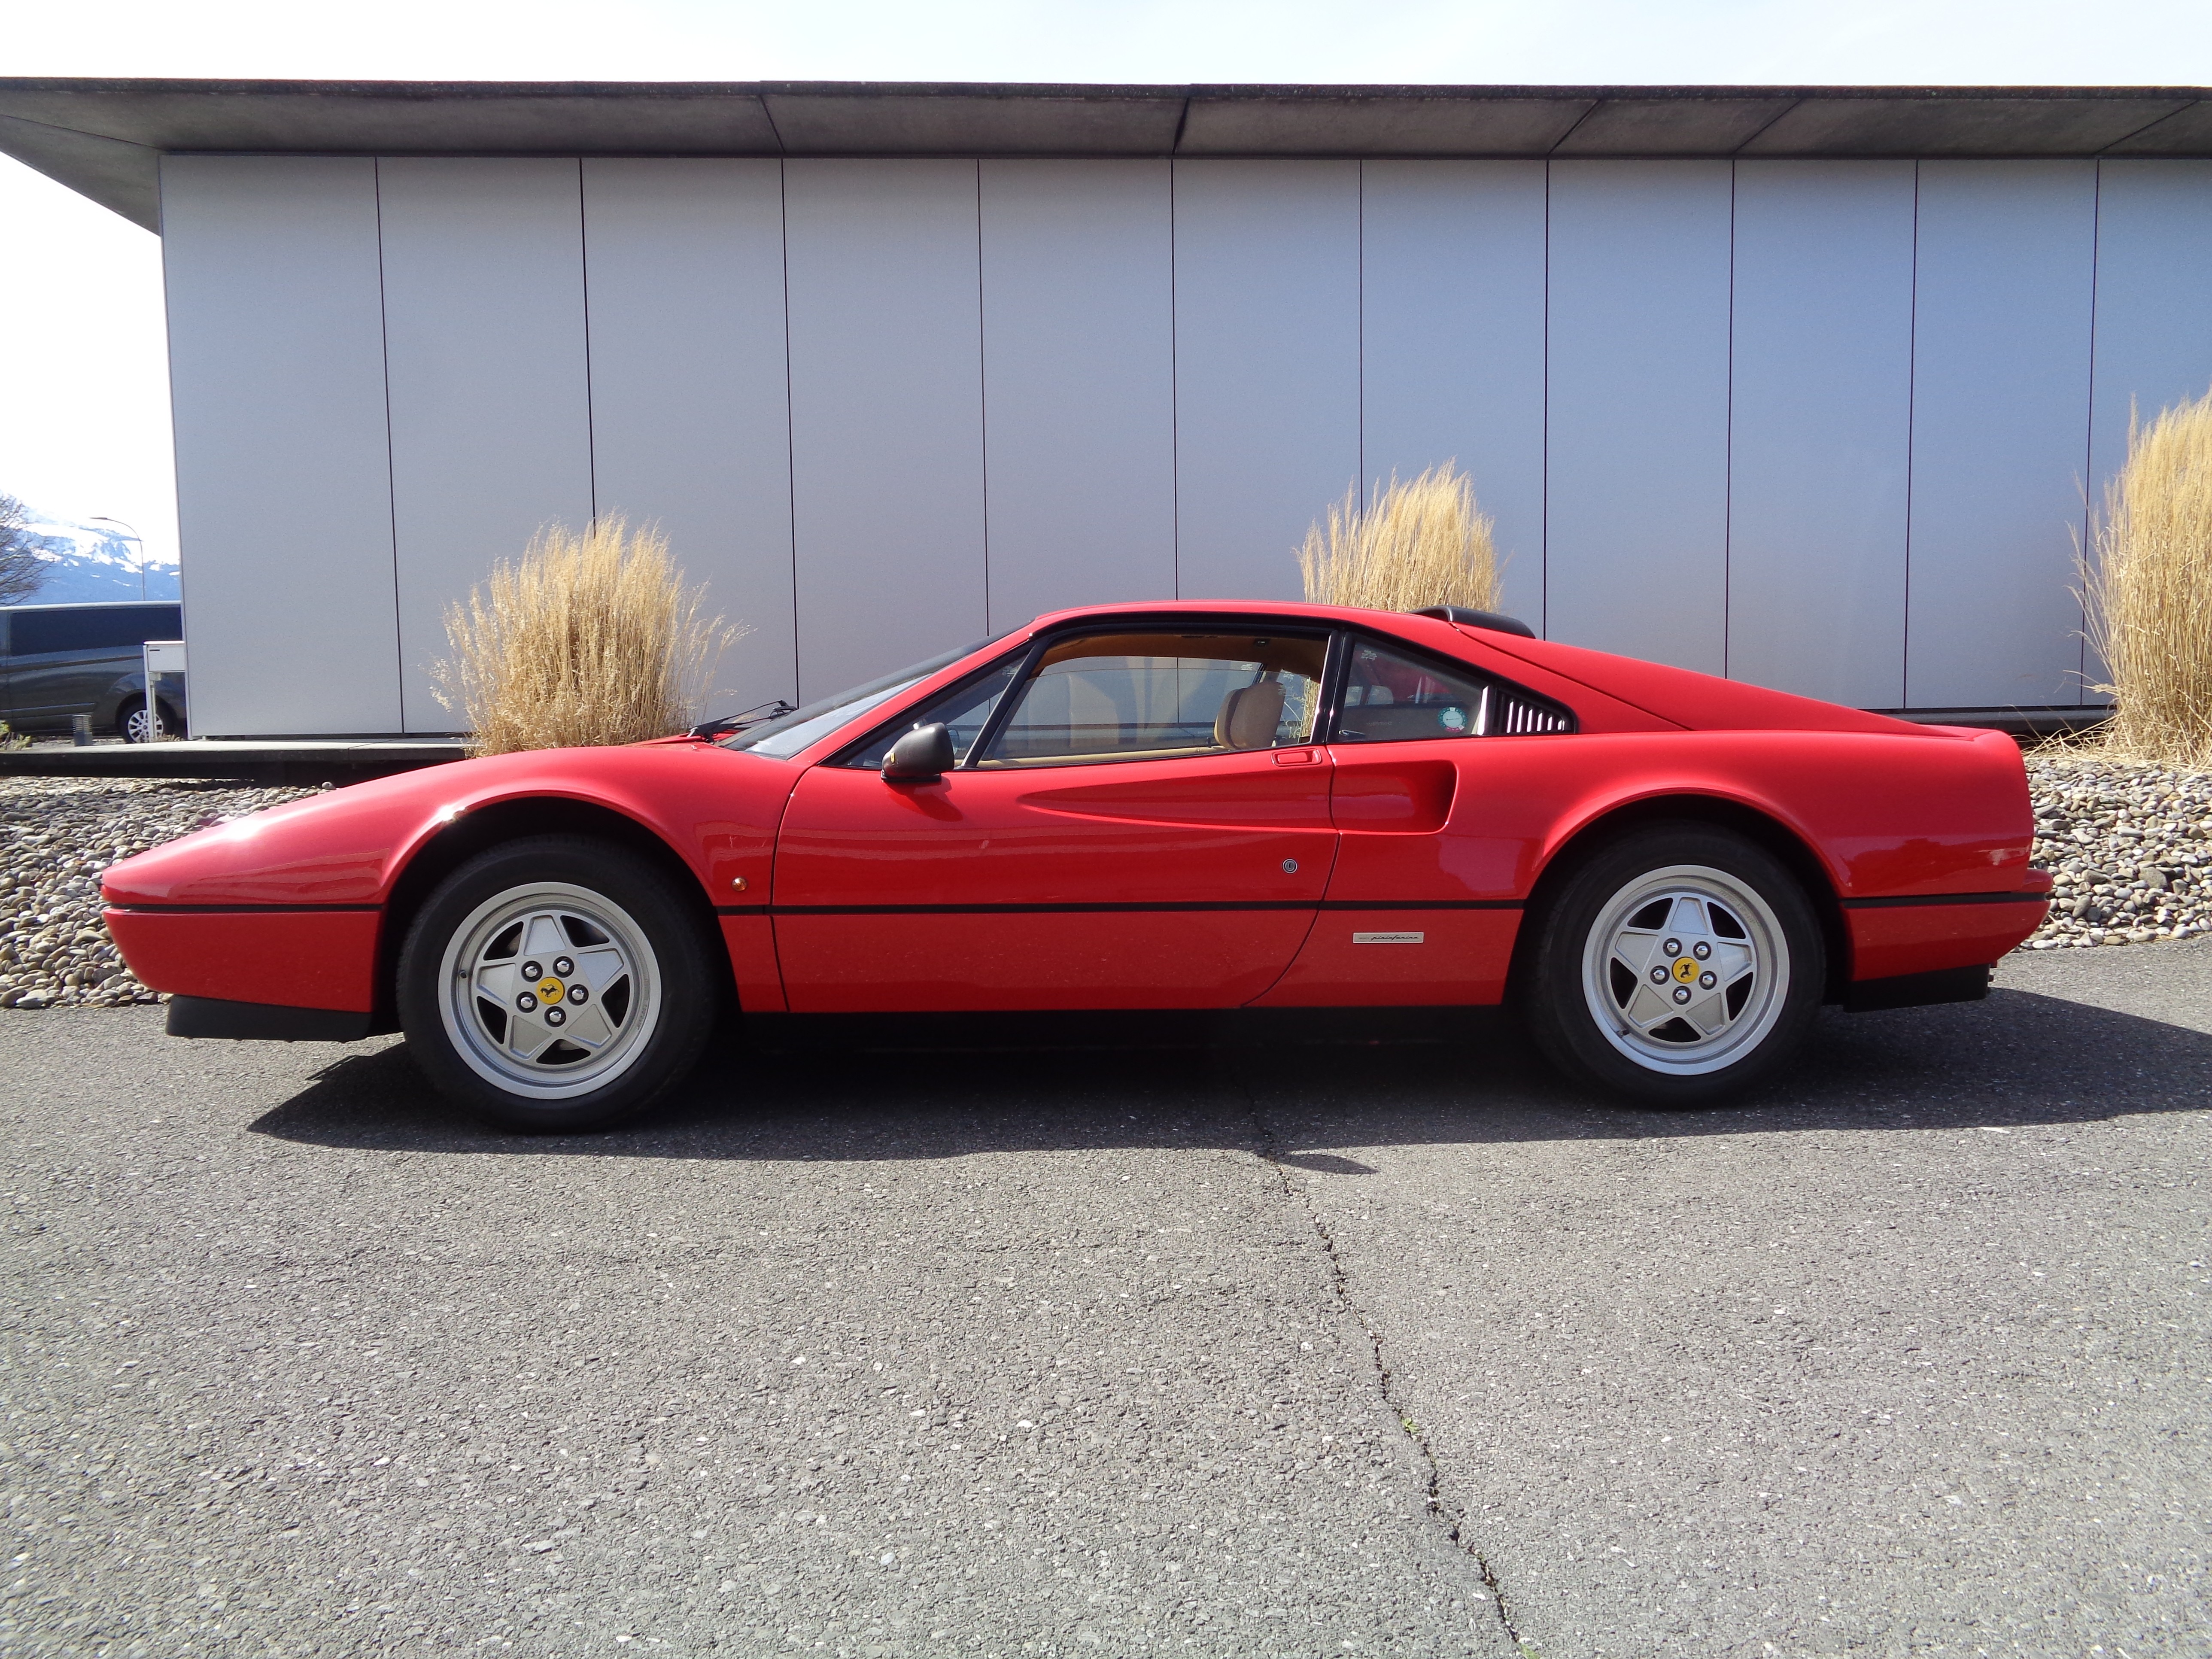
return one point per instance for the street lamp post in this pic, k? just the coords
(101, 518)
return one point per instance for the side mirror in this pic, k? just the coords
(922, 755)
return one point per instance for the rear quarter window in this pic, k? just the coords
(1392, 694)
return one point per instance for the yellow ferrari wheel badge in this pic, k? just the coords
(1685, 971)
(548, 990)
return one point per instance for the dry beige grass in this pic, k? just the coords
(590, 639)
(2148, 594)
(1415, 545)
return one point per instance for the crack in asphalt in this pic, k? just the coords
(1451, 1517)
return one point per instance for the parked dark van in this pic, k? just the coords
(56, 660)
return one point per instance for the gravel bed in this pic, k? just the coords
(2131, 845)
(57, 835)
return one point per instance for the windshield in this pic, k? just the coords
(785, 735)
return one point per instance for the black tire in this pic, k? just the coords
(131, 708)
(1666, 1036)
(615, 915)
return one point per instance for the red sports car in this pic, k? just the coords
(1171, 806)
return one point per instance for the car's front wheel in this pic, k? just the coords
(555, 984)
(1682, 965)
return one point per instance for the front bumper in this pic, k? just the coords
(319, 958)
(270, 1022)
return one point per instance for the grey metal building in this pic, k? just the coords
(1808, 386)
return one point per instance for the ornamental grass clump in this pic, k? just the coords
(590, 639)
(2148, 595)
(1413, 545)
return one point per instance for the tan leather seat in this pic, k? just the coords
(1249, 716)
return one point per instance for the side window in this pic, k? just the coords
(1395, 696)
(1154, 695)
(965, 710)
(118, 630)
(94, 628)
(156, 622)
(37, 631)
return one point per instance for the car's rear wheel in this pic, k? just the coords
(135, 726)
(555, 984)
(1679, 965)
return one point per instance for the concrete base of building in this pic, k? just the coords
(2050, 721)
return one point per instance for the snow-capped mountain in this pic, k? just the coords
(86, 561)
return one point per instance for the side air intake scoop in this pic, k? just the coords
(1497, 622)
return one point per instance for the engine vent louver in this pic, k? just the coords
(1516, 713)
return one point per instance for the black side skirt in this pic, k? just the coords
(210, 1017)
(1917, 990)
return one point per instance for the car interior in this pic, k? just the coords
(1153, 695)
(1156, 694)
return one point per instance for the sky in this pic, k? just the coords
(84, 427)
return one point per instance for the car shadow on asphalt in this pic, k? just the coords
(1305, 1091)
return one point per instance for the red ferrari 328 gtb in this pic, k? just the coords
(1168, 807)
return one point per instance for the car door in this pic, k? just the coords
(1145, 824)
(1422, 907)
(47, 668)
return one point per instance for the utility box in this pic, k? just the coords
(165, 662)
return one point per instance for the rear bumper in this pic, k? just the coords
(1868, 996)
(211, 1017)
(1895, 938)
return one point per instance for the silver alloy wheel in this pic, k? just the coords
(1685, 969)
(138, 725)
(550, 991)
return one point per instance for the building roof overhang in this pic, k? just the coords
(104, 138)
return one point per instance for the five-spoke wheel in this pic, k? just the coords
(556, 983)
(1684, 969)
(1678, 963)
(548, 988)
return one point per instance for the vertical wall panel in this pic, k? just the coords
(1452, 293)
(2000, 432)
(277, 370)
(1267, 365)
(1636, 555)
(886, 413)
(1820, 430)
(1177, 371)
(1079, 383)
(685, 283)
(2154, 325)
(2154, 298)
(484, 288)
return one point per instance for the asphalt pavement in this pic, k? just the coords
(1268, 1345)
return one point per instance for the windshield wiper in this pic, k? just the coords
(728, 724)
